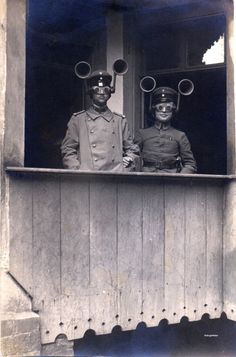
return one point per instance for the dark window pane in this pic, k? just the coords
(162, 50)
(206, 41)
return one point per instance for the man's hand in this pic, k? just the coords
(127, 160)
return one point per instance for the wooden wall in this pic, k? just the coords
(96, 251)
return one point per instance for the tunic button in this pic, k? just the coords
(94, 145)
(89, 119)
(113, 146)
(95, 159)
(113, 132)
(91, 131)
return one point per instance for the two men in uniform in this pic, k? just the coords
(98, 139)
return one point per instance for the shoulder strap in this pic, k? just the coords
(82, 111)
(120, 115)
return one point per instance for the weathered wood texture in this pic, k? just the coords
(229, 248)
(96, 252)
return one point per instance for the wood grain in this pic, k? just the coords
(96, 252)
(130, 266)
(153, 253)
(21, 232)
(46, 240)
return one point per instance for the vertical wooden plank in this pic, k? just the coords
(229, 250)
(174, 250)
(49, 313)
(195, 261)
(214, 268)
(75, 250)
(153, 252)
(20, 230)
(13, 84)
(103, 253)
(130, 254)
(46, 239)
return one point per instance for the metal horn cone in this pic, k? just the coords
(82, 69)
(185, 87)
(120, 67)
(147, 84)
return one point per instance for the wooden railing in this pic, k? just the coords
(95, 250)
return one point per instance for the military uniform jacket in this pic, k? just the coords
(161, 148)
(97, 141)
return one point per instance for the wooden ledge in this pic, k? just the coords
(47, 171)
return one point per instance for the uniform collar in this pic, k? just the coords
(94, 114)
(162, 126)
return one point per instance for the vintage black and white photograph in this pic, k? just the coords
(118, 178)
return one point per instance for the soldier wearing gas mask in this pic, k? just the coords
(164, 148)
(96, 138)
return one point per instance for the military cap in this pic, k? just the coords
(99, 78)
(163, 95)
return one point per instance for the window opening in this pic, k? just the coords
(215, 54)
(170, 51)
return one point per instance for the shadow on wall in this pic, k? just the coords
(202, 338)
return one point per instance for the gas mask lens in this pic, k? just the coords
(101, 90)
(165, 107)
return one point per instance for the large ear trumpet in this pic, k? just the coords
(147, 84)
(185, 87)
(120, 67)
(82, 69)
